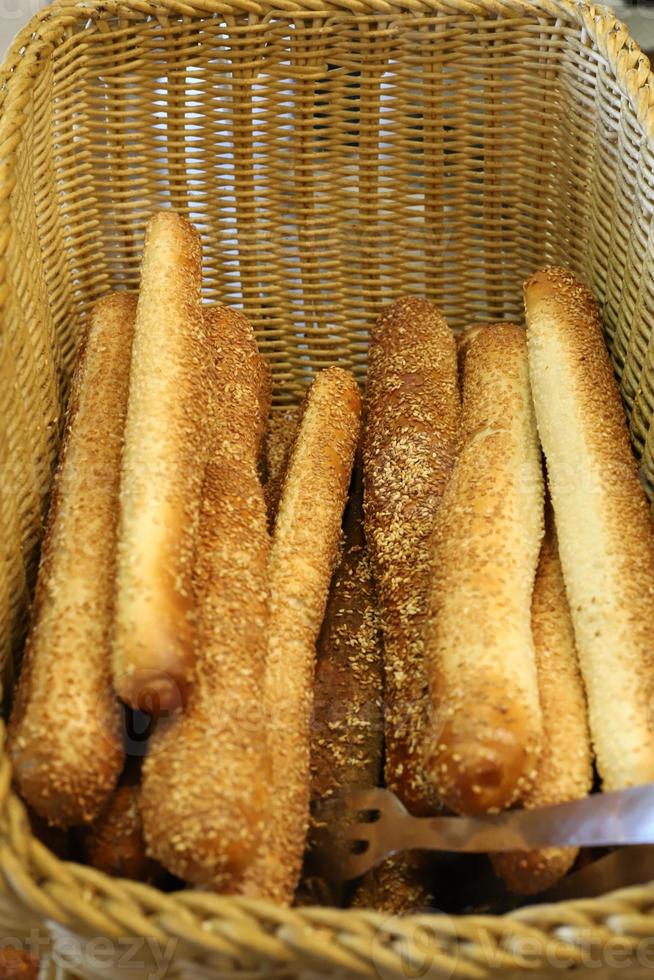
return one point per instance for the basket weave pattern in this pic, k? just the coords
(334, 154)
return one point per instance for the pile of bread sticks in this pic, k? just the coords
(306, 605)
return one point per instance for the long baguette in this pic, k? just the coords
(65, 731)
(163, 464)
(606, 540)
(565, 768)
(347, 740)
(347, 729)
(114, 842)
(205, 780)
(413, 411)
(398, 886)
(303, 555)
(485, 731)
(278, 446)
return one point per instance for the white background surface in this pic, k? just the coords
(640, 20)
(13, 15)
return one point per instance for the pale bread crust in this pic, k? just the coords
(304, 552)
(565, 767)
(205, 780)
(606, 539)
(413, 413)
(65, 732)
(162, 468)
(485, 732)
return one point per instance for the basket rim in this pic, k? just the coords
(32, 45)
(237, 927)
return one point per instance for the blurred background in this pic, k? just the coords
(639, 18)
(13, 15)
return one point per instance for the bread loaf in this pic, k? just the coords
(303, 556)
(485, 731)
(162, 471)
(347, 729)
(65, 730)
(413, 410)
(280, 436)
(205, 780)
(606, 542)
(564, 770)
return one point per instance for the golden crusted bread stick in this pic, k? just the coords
(565, 768)
(304, 552)
(606, 540)
(163, 465)
(114, 842)
(65, 730)
(347, 738)
(400, 885)
(347, 729)
(205, 780)
(463, 342)
(278, 445)
(485, 732)
(413, 412)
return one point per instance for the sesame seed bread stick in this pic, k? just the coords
(205, 780)
(606, 540)
(347, 738)
(413, 411)
(278, 445)
(346, 734)
(485, 731)
(565, 768)
(400, 885)
(114, 842)
(163, 464)
(304, 552)
(463, 342)
(65, 730)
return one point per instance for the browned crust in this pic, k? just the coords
(485, 731)
(162, 470)
(398, 886)
(18, 964)
(606, 539)
(464, 340)
(304, 552)
(347, 729)
(413, 410)
(114, 842)
(565, 767)
(205, 780)
(65, 736)
(280, 436)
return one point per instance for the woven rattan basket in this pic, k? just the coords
(334, 154)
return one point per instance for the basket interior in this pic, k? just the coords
(332, 161)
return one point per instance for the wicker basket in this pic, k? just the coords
(334, 153)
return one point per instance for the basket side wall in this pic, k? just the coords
(332, 162)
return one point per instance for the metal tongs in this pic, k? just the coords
(357, 833)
